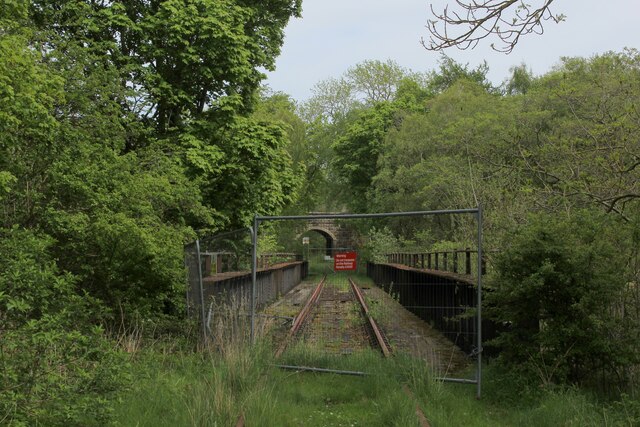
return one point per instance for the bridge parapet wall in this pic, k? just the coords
(271, 282)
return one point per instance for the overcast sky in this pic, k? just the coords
(333, 35)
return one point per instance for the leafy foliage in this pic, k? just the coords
(128, 127)
(555, 288)
(57, 367)
(379, 243)
(357, 151)
(556, 152)
(125, 128)
(179, 58)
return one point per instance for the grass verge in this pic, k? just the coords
(202, 389)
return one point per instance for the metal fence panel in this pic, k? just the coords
(432, 315)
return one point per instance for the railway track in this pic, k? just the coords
(302, 316)
(329, 318)
(376, 336)
(325, 308)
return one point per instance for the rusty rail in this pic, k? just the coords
(374, 326)
(299, 320)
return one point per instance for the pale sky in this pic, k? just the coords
(333, 35)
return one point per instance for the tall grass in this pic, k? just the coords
(206, 389)
(213, 385)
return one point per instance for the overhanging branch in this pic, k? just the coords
(475, 20)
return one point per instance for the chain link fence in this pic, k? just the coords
(220, 291)
(347, 284)
(424, 313)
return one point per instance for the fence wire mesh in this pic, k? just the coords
(219, 291)
(219, 286)
(417, 277)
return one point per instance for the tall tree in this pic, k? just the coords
(520, 81)
(375, 80)
(179, 58)
(110, 147)
(578, 133)
(449, 71)
(357, 151)
(332, 100)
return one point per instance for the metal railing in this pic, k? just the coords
(459, 261)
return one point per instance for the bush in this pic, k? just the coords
(380, 242)
(556, 286)
(56, 367)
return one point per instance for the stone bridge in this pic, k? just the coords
(337, 233)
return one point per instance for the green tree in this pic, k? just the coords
(554, 289)
(451, 71)
(442, 156)
(279, 108)
(331, 102)
(124, 128)
(254, 174)
(375, 80)
(119, 220)
(179, 58)
(576, 135)
(357, 151)
(353, 106)
(56, 367)
(326, 114)
(520, 81)
(120, 171)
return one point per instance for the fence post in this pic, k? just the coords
(467, 261)
(202, 314)
(479, 305)
(455, 261)
(444, 261)
(429, 260)
(254, 268)
(437, 261)
(422, 261)
(218, 263)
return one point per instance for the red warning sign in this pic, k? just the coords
(344, 261)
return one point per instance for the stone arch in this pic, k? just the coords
(329, 236)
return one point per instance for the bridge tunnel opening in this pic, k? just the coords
(321, 239)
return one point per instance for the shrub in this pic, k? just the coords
(380, 242)
(556, 286)
(56, 367)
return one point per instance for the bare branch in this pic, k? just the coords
(475, 20)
